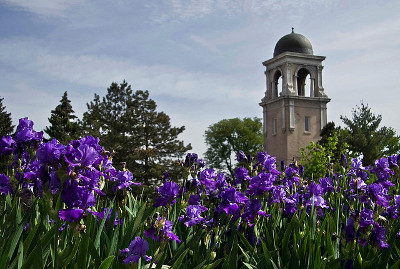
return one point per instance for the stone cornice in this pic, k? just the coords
(294, 57)
(293, 97)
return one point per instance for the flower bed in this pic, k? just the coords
(66, 206)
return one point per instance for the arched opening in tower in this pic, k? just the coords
(303, 77)
(277, 84)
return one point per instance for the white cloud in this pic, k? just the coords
(380, 36)
(44, 7)
(97, 72)
(189, 9)
(204, 42)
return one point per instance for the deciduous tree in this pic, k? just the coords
(227, 137)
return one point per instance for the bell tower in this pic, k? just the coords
(295, 104)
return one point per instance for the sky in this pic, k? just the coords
(200, 60)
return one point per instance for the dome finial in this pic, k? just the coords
(292, 29)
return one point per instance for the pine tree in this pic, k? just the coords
(129, 124)
(63, 124)
(6, 127)
(366, 138)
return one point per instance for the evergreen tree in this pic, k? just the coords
(6, 127)
(129, 124)
(63, 126)
(366, 138)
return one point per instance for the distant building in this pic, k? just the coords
(294, 105)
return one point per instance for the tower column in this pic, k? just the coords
(312, 82)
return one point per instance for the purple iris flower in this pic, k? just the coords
(124, 180)
(260, 184)
(357, 170)
(230, 198)
(291, 177)
(314, 195)
(382, 169)
(326, 184)
(207, 174)
(50, 152)
(397, 201)
(91, 179)
(6, 145)
(278, 194)
(378, 236)
(77, 198)
(393, 161)
(315, 189)
(90, 141)
(291, 204)
(137, 248)
(357, 184)
(74, 195)
(84, 155)
(168, 192)
(262, 157)
(25, 132)
(161, 230)
(318, 202)
(55, 182)
(270, 163)
(356, 164)
(101, 215)
(252, 210)
(241, 174)
(5, 187)
(366, 218)
(191, 159)
(349, 230)
(71, 214)
(207, 178)
(200, 163)
(379, 194)
(301, 170)
(25, 123)
(194, 199)
(220, 182)
(193, 215)
(231, 195)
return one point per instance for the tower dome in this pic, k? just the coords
(293, 42)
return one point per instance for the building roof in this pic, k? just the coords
(293, 42)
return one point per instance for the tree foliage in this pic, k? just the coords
(63, 124)
(127, 122)
(366, 137)
(227, 137)
(332, 133)
(319, 158)
(6, 126)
